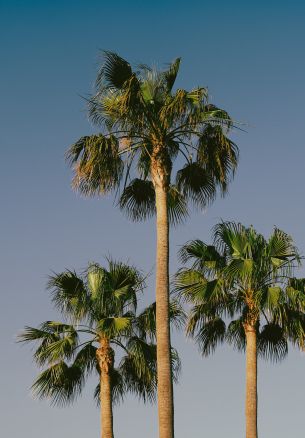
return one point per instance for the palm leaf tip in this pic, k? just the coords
(172, 72)
(115, 71)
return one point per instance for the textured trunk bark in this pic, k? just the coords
(251, 382)
(164, 369)
(105, 357)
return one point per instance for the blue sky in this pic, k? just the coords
(251, 57)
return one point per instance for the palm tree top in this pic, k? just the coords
(99, 304)
(144, 120)
(244, 276)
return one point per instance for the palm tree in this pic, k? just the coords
(245, 277)
(145, 125)
(100, 307)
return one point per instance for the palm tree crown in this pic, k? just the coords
(145, 125)
(99, 305)
(246, 278)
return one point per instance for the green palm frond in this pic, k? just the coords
(114, 72)
(236, 335)
(146, 321)
(274, 296)
(98, 167)
(272, 343)
(203, 257)
(138, 200)
(218, 154)
(189, 285)
(69, 294)
(115, 290)
(57, 341)
(113, 327)
(196, 184)
(296, 293)
(170, 75)
(139, 370)
(245, 277)
(59, 383)
(126, 281)
(85, 359)
(207, 334)
(176, 365)
(177, 206)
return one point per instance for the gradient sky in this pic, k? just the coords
(251, 56)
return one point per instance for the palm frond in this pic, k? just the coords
(114, 72)
(97, 165)
(204, 257)
(59, 383)
(196, 184)
(218, 155)
(139, 369)
(236, 335)
(113, 327)
(69, 294)
(272, 343)
(138, 200)
(177, 206)
(145, 322)
(170, 75)
(207, 334)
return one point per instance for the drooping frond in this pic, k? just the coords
(85, 359)
(177, 206)
(139, 368)
(59, 383)
(138, 201)
(97, 165)
(236, 334)
(217, 154)
(208, 334)
(196, 184)
(272, 343)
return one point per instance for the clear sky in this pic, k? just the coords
(251, 56)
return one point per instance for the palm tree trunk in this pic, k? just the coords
(251, 382)
(105, 357)
(164, 369)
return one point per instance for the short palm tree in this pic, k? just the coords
(100, 309)
(145, 125)
(246, 278)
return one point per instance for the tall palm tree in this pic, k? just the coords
(100, 308)
(246, 278)
(145, 125)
